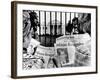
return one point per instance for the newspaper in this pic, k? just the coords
(83, 54)
(46, 53)
(41, 58)
(82, 44)
(68, 51)
(65, 52)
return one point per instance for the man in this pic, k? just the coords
(75, 26)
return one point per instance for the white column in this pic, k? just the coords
(53, 30)
(63, 23)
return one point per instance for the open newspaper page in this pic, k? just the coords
(42, 58)
(65, 51)
(68, 51)
(82, 44)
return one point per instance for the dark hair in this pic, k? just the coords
(33, 17)
(85, 24)
(75, 19)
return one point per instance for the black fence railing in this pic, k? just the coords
(50, 27)
(53, 24)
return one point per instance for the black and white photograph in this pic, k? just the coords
(42, 28)
(55, 39)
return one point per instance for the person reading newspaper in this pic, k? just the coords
(29, 43)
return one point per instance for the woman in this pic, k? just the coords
(29, 44)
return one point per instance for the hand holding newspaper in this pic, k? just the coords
(31, 48)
